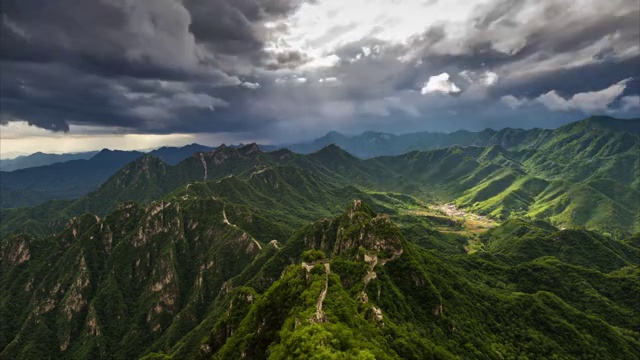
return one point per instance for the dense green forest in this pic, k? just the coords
(521, 247)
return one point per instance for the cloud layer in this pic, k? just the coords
(290, 69)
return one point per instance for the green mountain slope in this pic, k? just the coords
(43, 177)
(198, 275)
(365, 292)
(113, 283)
(578, 175)
(372, 144)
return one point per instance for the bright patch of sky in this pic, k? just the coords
(319, 28)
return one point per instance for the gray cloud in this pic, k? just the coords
(163, 66)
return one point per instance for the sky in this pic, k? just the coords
(137, 74)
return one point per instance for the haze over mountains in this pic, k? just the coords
(41, 159)
(32, 185)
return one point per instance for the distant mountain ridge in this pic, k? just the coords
(579, 174)
(173, 154)
(74, 178)
(371, 144)
(571, 177)
(62, 180)
(169, 154)
(368, 144)
(41, 159)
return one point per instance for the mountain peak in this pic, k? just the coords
(331, 137)
(377, 234)
(249, 149)
(332, 148)
(282, 154)
(357, 206)
(138, 171)
(112, 155)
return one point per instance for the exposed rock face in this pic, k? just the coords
(374, 314)
(164, 261)
(15, 250)
(204, 165)
(140, 171)
(75, 300)
(275, 244)
(319, 316)
(378, 235)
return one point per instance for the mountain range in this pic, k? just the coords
(372, 144)
(31, 187)
(507, 244)
(202, 277)
(576, 175)
(68, 178)
(63, 178)
(41, 159)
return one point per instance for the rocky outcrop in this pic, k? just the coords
(165, 262)
(15, 251)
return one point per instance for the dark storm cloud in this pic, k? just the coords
(43, 98)
(162, 66)
(230, 26)
(89, 62)
(285, 59)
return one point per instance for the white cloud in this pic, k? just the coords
(328, 80)
(487, 78)
(314, 24)
(514, 102)
(321, 62)
(490, 78)
(250, 85)
(587, 102)
(291, 79)
(440, 83)
(317, 29)
(598, 100)
(553, 101)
